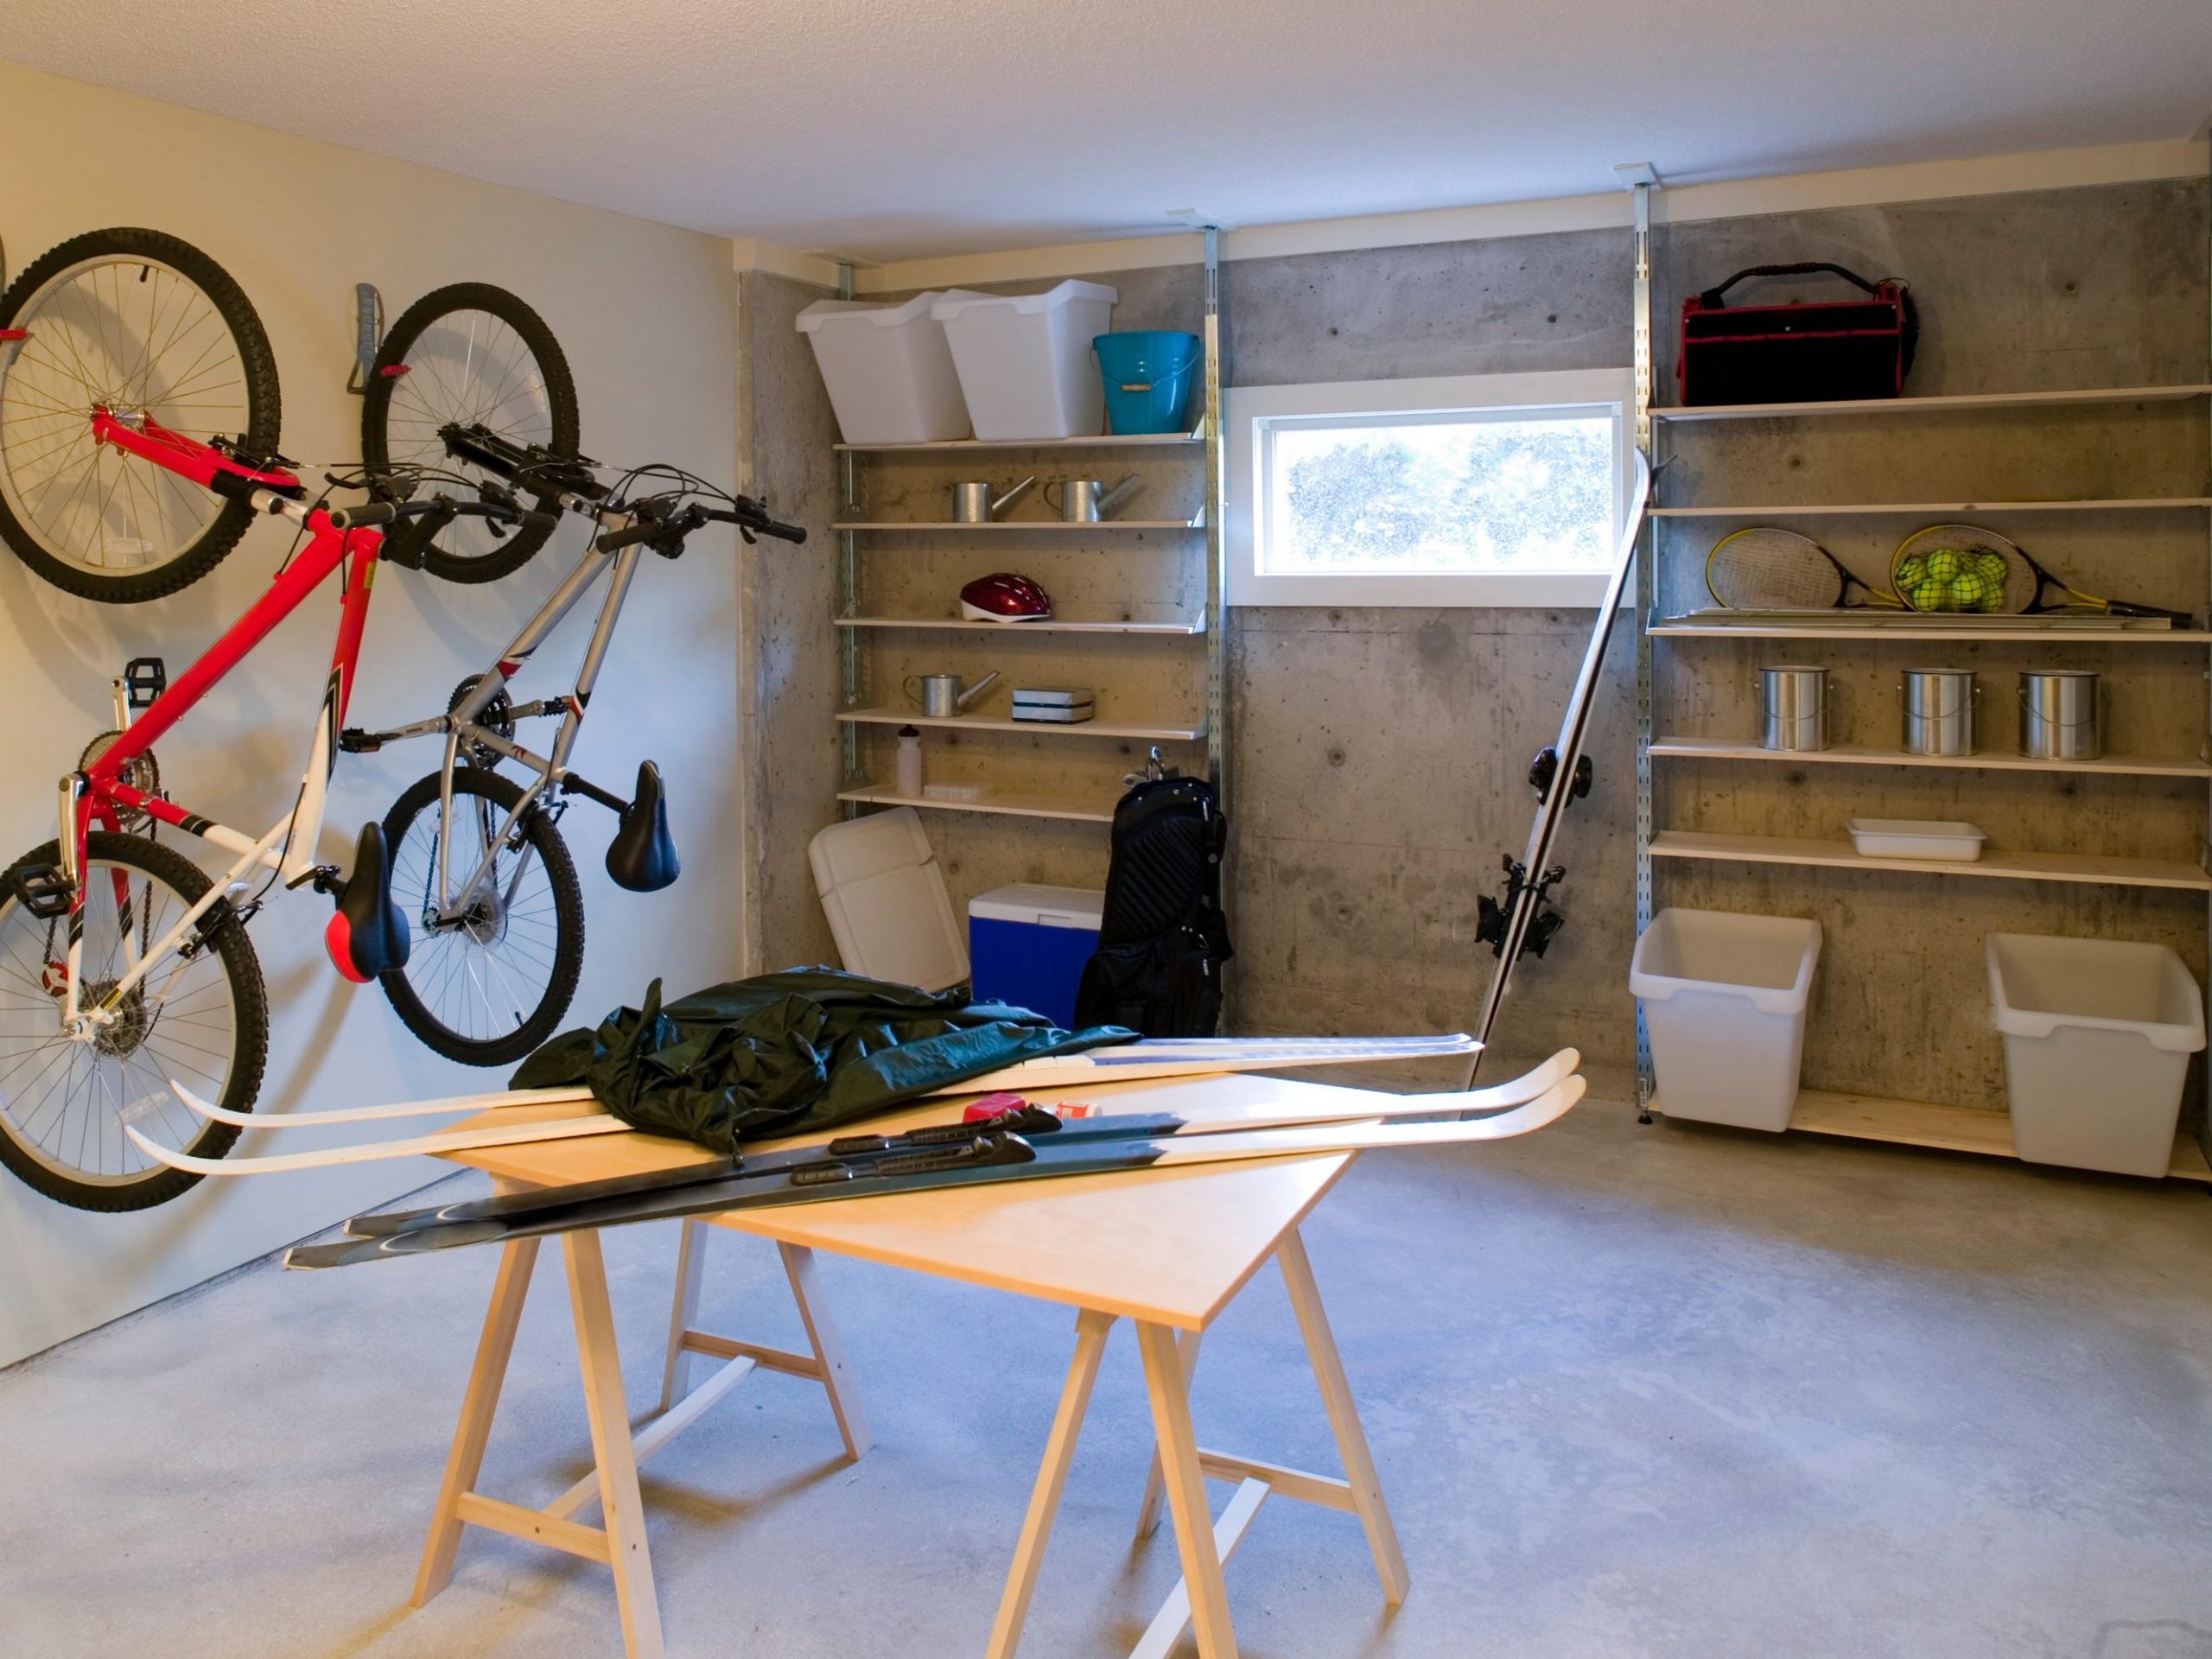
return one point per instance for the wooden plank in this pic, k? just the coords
(1857, 754)
(2094, 868)
(1094, 727)
(1917, 635)
(1946, 1127)
(1091, 1329)
(611, 1453)
(1939, 405)
(835, 1374)
(1326, 1490)
(478, 1406)
(1175, 1615)
(1186, 1492)
(1055, 625)
(659, 1433)
(1936, 509)
(768, 1359)
(1343, 1417)
(1068, 807)
(535, 1525)
(954, 446)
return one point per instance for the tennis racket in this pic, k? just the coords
(1763, 568)
(2029, 589)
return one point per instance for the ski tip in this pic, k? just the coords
(383, 1225)
(302, 1258)
(162, 1155)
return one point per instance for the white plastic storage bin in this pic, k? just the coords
(1724, 1002)
(888, 369)
(2098, 1034)
(1030, 943)
(1025, 359)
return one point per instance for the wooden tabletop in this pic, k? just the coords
(1169, 1246)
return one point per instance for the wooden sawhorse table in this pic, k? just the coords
(1168, 1249)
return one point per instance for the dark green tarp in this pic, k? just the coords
(785, 1053)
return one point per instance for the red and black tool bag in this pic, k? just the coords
(1811, 351)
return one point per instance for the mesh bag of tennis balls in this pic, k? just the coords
(1956, 579)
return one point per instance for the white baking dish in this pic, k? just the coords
(1932, 838)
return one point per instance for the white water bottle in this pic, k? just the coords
(909, 775)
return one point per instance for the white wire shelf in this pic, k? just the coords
(1859, 754)
(1073, 809)
(2097, 869)
(1936, 405)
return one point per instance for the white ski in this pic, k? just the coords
(1172, 1056)
(1229, 1120)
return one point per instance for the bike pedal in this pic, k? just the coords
(45, 891)
(144, 679)
(356, 741)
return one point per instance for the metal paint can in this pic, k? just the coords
(1793, 708)
(1938, 708)
(2060, 716)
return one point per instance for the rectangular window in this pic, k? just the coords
(1471, 490)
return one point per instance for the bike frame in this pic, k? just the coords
(98, 792)
(461, 725)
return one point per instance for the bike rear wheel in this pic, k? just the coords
(469, 354)
(138, 323)
(200, 1017)
(489, 987)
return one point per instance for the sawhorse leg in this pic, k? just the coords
(824, 1363)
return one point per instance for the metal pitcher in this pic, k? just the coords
(1086, 501)
(940, 695)
(974, 504)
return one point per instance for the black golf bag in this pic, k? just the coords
(1163, 938)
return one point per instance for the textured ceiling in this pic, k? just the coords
(884, 129)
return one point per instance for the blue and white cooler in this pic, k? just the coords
(1027, 945)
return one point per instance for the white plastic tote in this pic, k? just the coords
(888, 369)
(1724, 1003)
(1025, 359)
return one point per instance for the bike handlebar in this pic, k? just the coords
(667, 534)
(369, 514)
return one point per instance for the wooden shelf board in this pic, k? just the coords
(1964, 631)
(2096, 869)
(1049, 526)
(1947, 1128)
(1857, 754)
(954, 446)
(1057, 624)
(1920, 405)
(1013, 806)
(1045, 728)
(1933, 509)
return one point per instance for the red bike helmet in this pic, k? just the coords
(1004, 597)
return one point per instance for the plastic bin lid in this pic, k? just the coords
(953, 302)
(1039, 906)
(885, 900)
(878, 315)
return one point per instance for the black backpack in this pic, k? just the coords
(1162, 937)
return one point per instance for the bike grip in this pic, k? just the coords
(781, 532)
(360, 517)
(643, 531)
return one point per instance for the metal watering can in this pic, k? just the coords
(974, 504)
(940, 695)
(1086, 501)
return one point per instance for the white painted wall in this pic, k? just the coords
(647, 316)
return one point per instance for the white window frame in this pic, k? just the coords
(1250, 410)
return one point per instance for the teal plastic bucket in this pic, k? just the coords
(1148, 375)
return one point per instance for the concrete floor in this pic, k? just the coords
(1664, 1391)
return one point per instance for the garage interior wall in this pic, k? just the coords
(1379, 755)
(647, 315)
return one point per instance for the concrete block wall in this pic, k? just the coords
(1379, 753)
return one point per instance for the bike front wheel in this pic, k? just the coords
(488, 985)
(200, 1016)
(469, 355)
(144, 326)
